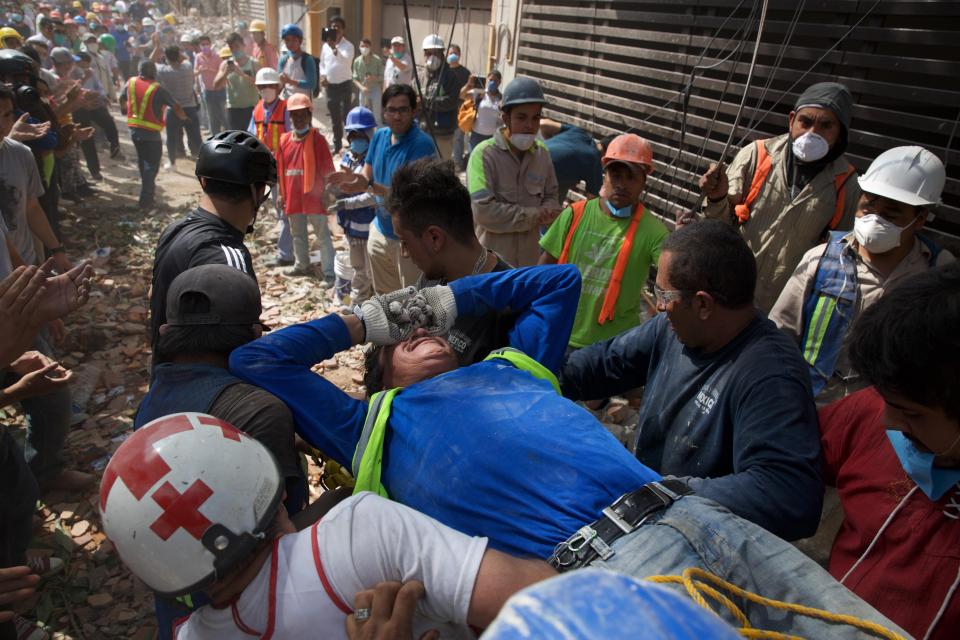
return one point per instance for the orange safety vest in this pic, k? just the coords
(140, 105)
(765, 165)
(619, 267)
(269, 132)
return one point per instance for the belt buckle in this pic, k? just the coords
(662, 493)
(567, 553)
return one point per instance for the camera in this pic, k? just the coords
(329, 34)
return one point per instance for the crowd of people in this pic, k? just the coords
(792, 337)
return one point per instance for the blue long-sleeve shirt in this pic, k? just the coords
(309, 82)
(740, 422)
(487, 449)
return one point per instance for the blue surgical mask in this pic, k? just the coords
(452, 58)
(303, 132)
(933, 481)
(622, 212)
(492, 86)
(359, 145)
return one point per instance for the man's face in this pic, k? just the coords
(11, 43)
(63, 69)
(398, 114)
(523, 118)
(301, 118)
(684, 313)
(909, 218)
(930, 429)
(6, 118)
(293, 43)
(258, 37)
(623, 184)
(823, 122)
(421, 250)
(336, 26)
(204, 44)
(398, 48)
(417, 358)
(84, 65)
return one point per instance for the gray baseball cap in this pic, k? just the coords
(232, 297)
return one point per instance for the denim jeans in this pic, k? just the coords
(48, 420)
(216, 102)
(459, 149)
(149, 153)
(102, 118)
(18, 499)
(371, 99)
(696, 532)
(175, 129)
(284, 238)
(301, 241)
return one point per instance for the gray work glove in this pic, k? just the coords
(439, 309)
(393, 317)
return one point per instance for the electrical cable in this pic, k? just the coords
(416, 76)
(809, 69)
(746, 86)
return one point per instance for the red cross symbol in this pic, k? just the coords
(181, 510)
(137, 463)
(229, 431)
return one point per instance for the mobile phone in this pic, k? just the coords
(230, 62)
(479, 82)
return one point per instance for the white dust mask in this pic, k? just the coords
(522, 141)
(810, 147)
(876, 234)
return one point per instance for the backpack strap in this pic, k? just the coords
(932, 246)
(760, 173)
(578, 208)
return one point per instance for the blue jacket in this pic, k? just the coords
(487, 449)
(740, 422)
(309, 64)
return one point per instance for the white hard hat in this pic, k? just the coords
(148, 22)
(186, 498)
(120, 6)
(432, 41)
(911, 175)
(266, 75)
(397, 40)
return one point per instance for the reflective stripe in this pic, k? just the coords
(137, 112)
(293, 172)
(522, 361)
(366, 465)
(818, 328)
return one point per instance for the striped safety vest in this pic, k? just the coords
(367, 463)
(140, 105)
(269, 131)
(832, 303)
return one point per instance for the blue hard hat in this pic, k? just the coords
(80, 20)
(596, 604)
(360, 119)
(291, 30)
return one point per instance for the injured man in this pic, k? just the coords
(493, 449)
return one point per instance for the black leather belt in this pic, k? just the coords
(622, 517)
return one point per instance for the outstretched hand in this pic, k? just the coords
(24, 131)
(20, 296)
(65, 292)
(16, 584)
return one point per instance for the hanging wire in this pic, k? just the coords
(416, 76)
(746, 86)
(809, 69)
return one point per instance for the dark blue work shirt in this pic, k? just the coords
(740, 421)
(575, 157)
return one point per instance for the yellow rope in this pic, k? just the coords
(695, 582)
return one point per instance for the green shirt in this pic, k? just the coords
(594, 250)
(240, 93)
(374, 68)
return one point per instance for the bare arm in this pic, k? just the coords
(220, 81)
(546, 258)
(501, 576)
(40, 226)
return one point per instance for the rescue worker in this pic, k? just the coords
(142, 100)
(10, 38)
(892, 450)
(492, 449)
(298, 69)
(231, 537)
(614, 240)
(441, 90)
(234, 170)
(264, 52)
(785, 193)
(511, 179)
(270, 118)
(836, 281)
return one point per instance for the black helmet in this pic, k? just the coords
(13, 63)
(237, 157)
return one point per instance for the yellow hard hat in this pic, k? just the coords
(226, 52)
(77, 4)
(10, 32)
(258, 25)
(170, 19)
(92, 17)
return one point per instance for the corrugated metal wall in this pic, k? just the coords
(251, 9)
(612, 66)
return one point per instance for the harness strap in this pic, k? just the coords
(764, 165)
(840, 186)
(577, 208)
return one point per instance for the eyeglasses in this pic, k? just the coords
(397, 111)
(666, 296)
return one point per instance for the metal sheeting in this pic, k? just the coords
(611, 66)
(251, 9)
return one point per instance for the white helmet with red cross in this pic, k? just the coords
(185, 498)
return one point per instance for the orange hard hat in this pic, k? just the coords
(630, 149)
(299, 101)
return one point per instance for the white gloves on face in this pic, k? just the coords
(393, 317)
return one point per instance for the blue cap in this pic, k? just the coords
(596, 604)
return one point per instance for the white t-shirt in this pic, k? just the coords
(293, 67)
(19, 183)
(392, 73)
(337, 68)
(488, 115)
(307, 587)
